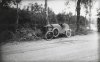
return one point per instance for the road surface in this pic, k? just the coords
(82, 48)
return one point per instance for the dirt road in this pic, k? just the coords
(82, 48)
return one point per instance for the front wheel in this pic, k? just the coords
(49, 35)
(68, 33)
(55, 32)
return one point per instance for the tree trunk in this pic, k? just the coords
(46, 12)
(90, 5)
(78, 16)
(17, 21)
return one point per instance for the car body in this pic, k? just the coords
(57, 29)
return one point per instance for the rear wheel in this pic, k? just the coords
(49, 35)
(68, 33)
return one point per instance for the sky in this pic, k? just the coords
(58, 6)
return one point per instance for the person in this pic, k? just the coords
(98, 24)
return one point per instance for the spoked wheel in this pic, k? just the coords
(55, 32)
(68, 33)
(49, 35)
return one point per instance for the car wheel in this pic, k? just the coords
(49, 35)
(68, 33)
(55, 33)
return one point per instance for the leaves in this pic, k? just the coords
(6, 3)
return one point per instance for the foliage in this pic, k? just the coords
(72, 21)
(98, 14)
(37, 14)
(51, 16)
(27, 18)
(33, 18)
(78, 8)
(61, 18)
(25, 34)
(7, 3)
(8, 15)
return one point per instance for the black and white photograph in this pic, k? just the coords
(49, 31)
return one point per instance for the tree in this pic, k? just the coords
(36, 14)
(7, 3)
(7, 18)
(51, 16)
(88, 5)
(7, 13)
(78, 14)
(78, 8)
(61, 17)
(16, 3)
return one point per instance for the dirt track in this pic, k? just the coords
(75, 49)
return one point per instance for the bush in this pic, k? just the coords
(5, 36)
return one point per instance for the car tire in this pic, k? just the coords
(49, 35)
(55, 32)
(68, 33)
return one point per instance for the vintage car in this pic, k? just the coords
(54, 30)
